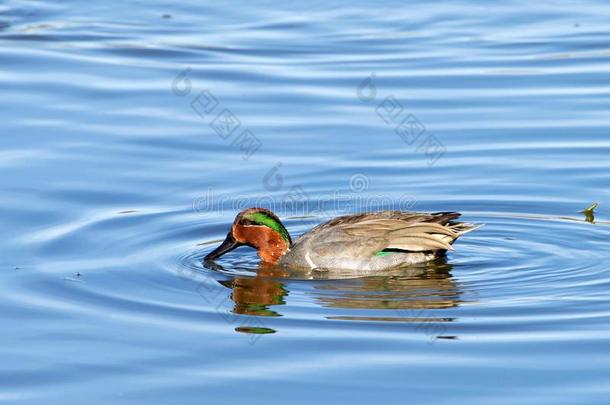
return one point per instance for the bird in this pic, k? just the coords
(369, 241)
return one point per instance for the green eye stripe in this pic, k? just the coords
(261, 218)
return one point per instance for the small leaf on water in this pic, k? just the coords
(591, 208)
(590, 212)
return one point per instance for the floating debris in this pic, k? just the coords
(253, 329)
(590, 213)
(77, 277)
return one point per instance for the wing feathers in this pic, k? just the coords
(366, 234)
(420, 242)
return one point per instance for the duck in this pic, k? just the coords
(369, 241)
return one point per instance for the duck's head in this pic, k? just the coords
(258, 228)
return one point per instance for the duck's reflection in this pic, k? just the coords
(409, 296)
(405, 295)
(254, 295)
(426, 287)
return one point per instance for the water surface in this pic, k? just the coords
(135, 131)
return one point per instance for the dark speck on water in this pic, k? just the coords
(129, 144)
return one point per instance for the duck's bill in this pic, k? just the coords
(229, 244)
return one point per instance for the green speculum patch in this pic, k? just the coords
(386, 252)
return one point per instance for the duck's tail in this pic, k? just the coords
(448, 219)
(462, 228)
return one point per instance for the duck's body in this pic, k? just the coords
(369, 241)
(375, 241)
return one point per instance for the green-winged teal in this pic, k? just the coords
(368, 241)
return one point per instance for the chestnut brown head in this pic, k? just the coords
(258, 228)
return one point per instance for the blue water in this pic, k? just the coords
(133, 132)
